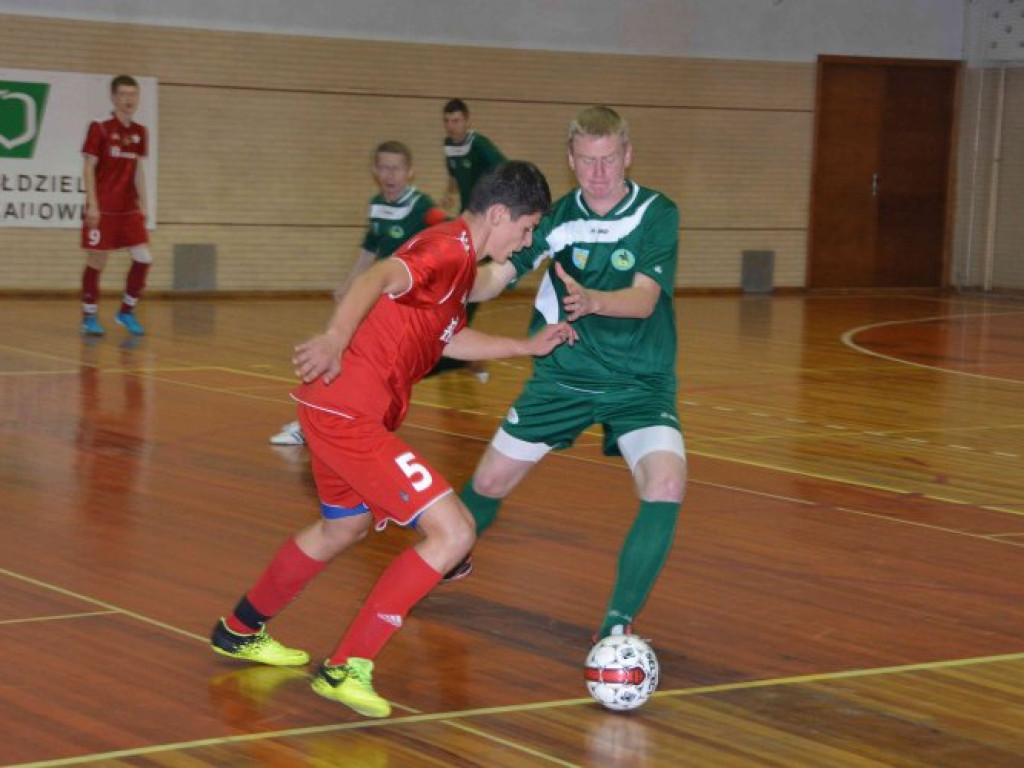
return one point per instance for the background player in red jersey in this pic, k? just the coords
(115, 205)
(391, 327)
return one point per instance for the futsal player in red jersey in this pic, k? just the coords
(387, 332)
(115, 205)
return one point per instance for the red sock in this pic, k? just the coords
(280, 583)
(134, 284)
(90, 290)
(405, 582)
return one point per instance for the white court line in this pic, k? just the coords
(847, 339)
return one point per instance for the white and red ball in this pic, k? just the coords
(621, 672)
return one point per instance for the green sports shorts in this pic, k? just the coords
(555, 414)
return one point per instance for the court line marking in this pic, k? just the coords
(847, 339)
(892, 434)
(690, 449)
(444, 717)
(613, 463)
(60, 617)
(441, 716)
(112, 609)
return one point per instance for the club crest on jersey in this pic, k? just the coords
(580, 256)
(466, 163)
(623, 260)
(396, 231)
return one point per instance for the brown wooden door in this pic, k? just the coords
(882, 166)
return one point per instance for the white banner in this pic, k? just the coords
(43, 121)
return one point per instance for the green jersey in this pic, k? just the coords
(639, 236)
(469, 160)
(391, 224)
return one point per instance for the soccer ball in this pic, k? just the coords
(621, 672)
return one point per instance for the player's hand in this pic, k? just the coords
(92, 217)
(578, 301)
(549, 337)
(318, 357)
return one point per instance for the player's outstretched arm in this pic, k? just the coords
(320, 356)
(470, 344)
(636, 301)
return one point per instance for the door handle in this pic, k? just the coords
(876, 182)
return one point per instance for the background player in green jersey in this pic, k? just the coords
(468, 156)
(613, 247)
(397, 213)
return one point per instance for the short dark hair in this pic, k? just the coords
(393, 148)
(120, 80)
(519, 185)
(455, 105)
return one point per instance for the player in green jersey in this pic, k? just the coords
(613, 247)
(468, 156)
(397, 213)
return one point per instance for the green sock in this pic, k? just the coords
(643, 554)
(483, 508)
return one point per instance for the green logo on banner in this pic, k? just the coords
(21, 117)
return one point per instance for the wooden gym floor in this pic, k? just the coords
(846, 588)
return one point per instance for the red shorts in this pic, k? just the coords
(356, 461)
(116, 231)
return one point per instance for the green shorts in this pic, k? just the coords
(555, 414)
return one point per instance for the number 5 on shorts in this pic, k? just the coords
(417, 473)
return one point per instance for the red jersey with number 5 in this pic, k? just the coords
(403, 336)
(118, 148)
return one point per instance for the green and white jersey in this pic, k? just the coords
(639, 236)
(391, 224)
(469, 160)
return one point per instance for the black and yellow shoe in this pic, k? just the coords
(352, 685)
(259, 647)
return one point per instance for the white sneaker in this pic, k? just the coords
(290, 434)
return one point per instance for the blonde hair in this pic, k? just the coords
(598, 121)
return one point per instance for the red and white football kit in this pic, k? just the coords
(118, 149)
(349, 423)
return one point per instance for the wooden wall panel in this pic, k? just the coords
(1008, 269)
(265, 143)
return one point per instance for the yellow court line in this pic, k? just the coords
(452, 723)
(855, 483)
(115, 610)
(917, 523)
(109, 606)
(690, 450)
(34, 619)
(811, 431)
(613, 463)
(131, 371)
(443, 717)
(69, 372)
